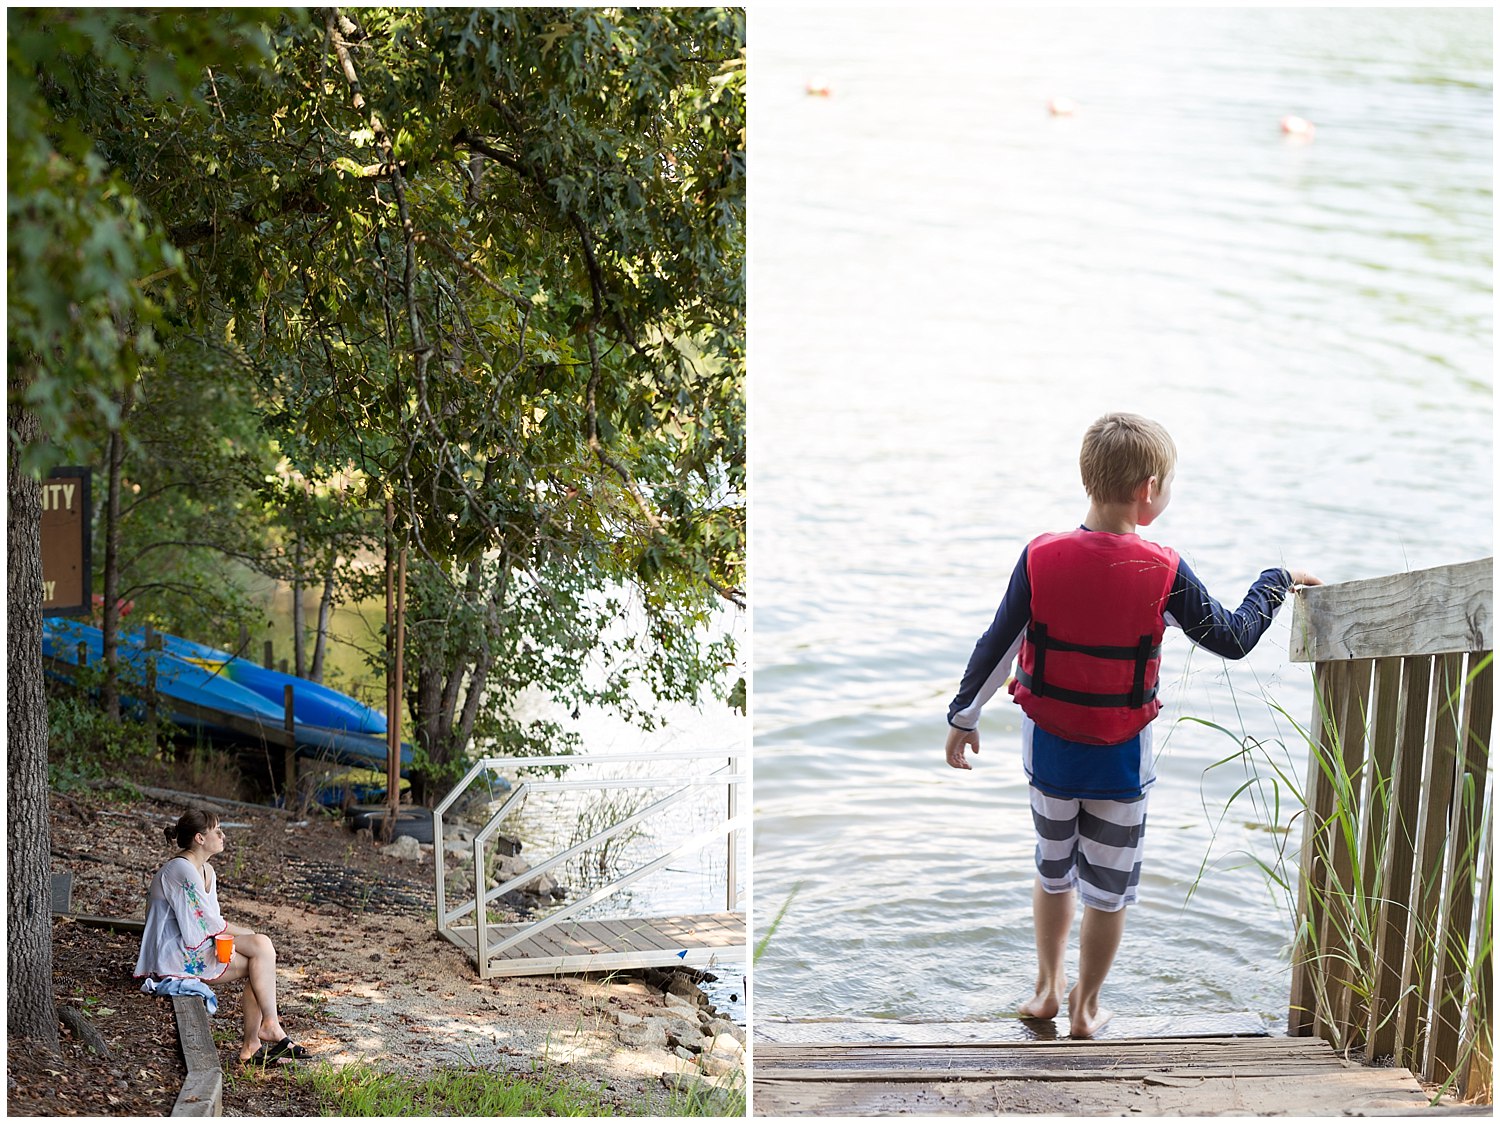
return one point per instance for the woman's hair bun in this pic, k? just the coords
(190, 824)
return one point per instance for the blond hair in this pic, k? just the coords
(1120, 453)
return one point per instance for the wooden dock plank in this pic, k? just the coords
(1327, 1095)
(627, 934)
(641, 934)
(996, 1032)
(462, 936)
(569, 937)
(594, 935)
(708, 930)
(674, 932)
(547, 943)
(1077, 1058)
(611, 943)
(1165, 1077)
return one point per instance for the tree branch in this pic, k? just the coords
(596, 288)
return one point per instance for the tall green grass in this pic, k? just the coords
(699, 1098)
(765, 940)
(1336, 922)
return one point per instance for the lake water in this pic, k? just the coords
(947, 285)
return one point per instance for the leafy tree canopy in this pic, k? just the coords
(485, 263)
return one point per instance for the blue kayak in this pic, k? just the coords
(326, 724)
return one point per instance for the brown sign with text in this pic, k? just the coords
(67, 564)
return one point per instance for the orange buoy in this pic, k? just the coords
(817, 88)
(1299, 128)
(1062, 107)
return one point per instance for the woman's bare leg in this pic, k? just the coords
(255, 962)
(250, 1034)
(1052, 917)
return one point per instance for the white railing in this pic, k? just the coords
(681, 788)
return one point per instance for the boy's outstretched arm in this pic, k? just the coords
(957, 739)
(1207, 623)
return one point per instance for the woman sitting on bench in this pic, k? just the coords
(179, 943)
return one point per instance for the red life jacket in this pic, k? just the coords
(1092, 652)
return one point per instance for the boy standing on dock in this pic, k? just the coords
(1085, 612)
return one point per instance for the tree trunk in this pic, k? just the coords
(299, 645)
(443, 728)
(427, 707)
(28, 849)
(479, 674)
(432, 717)
(478, 682)
(325, 611)
(111, 622)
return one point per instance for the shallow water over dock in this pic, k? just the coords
(948, 285)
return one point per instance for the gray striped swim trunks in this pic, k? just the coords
(1093, 845)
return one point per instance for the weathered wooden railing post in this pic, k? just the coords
(1391, 954)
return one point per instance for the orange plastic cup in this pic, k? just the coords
(224, 946)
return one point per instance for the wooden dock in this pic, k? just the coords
(570, 947)
(1108, 1077)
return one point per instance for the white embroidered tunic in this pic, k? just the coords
(182, 919)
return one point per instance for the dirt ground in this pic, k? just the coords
(144, 1069)
(363, 976)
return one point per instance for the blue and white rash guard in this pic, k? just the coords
(1065, 768)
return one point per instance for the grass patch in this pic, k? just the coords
(362, 1090)
(698, 1098)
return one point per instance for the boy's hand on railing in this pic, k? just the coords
(1302, 577)
(957, 739)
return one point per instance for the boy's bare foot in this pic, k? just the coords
(1043, 1005)
(1086, 1019)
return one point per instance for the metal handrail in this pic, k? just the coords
(730, 826)
(484, 763)
(525, 787)
(489, 763)
(603, 892)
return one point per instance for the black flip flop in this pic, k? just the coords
(261, 1057)
(287, 1049)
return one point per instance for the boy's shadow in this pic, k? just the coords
(1040, 1030)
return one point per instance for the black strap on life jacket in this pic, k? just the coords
(1035, 681)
